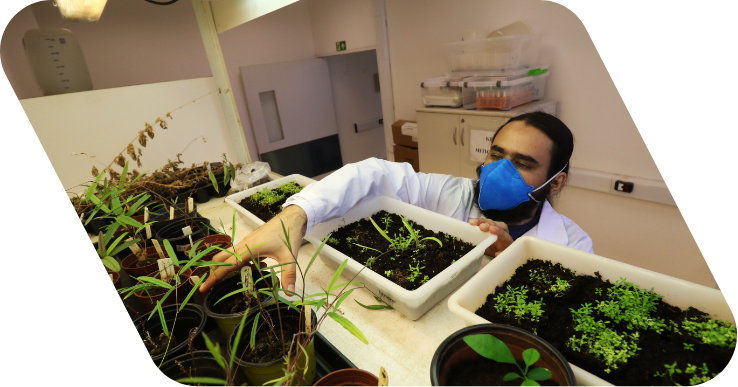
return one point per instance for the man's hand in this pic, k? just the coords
(497, 228)
(271, 235)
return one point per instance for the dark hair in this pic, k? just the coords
(560, 135)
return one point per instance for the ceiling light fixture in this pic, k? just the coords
(81, 10)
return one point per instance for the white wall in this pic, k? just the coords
(13, 56)
(605, 136)
(281, 36)
(101, 123)
(134, 43)
(354, 99)
(340, 20)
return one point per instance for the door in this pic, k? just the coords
(292, 116)
(475, 140)
(438, 143)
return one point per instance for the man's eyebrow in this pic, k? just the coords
(518, 156)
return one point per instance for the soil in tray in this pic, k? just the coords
(266, 204)
(655, 350)
(430, 258)
(268, 347)
(237, 303)
(486, 372)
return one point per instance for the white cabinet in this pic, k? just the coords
(445, 135)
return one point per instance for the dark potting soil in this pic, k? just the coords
(159, 291)
(430, 258)
(266, 210)
(158, 344)
(268, 347)
(556, 325)
(238, 303)
(148, 261)
(486, 372)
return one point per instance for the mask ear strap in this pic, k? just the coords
(544, 184)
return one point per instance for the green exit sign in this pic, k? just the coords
(341, 46)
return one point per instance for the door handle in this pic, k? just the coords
(462, 136)
(455, 137)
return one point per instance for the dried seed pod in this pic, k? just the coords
(120, 160)
(163, 124)
(169, 115)
(134, 173)
(150, 132)
(139, 151)
(95, 172)
(142, 138)
(138, 162)
(114, 175)
(131, 151)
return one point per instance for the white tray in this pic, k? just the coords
(413, 304)
(676, 292)
(250, 219)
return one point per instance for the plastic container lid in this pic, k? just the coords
(496, 73)
(440, 81)
(492, 82)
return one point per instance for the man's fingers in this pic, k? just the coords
(289, 275)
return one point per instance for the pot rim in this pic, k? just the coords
(219, 316)
(165, 309)
(147, 251)
(341, 372)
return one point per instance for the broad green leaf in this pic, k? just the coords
(337, 274)
(349, 326)
(115, 201)
(490, 347)
(170, 252)
(92, 216)
(110, 248)
(94, 199)
(161, 318)
(192, 251)
(110, 231)
(252, 342)
(101, 249)
(433, 239)
(135, 207)
(111, 264)
(315, 255)
(340, 299)
(367, 247)
(381, 231)
(214, 350)
(288, 303)
(409, 229)
(123, 177)
(203, 380)
(539, 373)
(530, 356)
(237, 341)
(242, 290)
(215, 183)
(122, 219)
(233, 172)
(511, 376)
(226, 174)
(529, 382)
(194, 289)
(123, 246)
(374, 307)
(154, 281)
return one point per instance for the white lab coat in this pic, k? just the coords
(452, 196)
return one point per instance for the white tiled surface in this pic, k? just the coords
(403, 347)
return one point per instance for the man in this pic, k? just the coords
(527, 165)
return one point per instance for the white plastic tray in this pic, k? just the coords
(250, 219)
(413, 304)
(676, 292)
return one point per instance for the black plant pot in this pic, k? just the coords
(222, 190)
(203, 192)
(200, 364)
(173, 233)
(192, 316)
(163, 221)
(96, 225)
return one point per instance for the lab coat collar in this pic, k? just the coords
(550, 226)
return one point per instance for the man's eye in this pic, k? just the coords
(494, 157)
(521, 165)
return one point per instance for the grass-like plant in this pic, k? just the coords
(495, 349)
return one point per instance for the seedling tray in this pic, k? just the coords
(413, 304)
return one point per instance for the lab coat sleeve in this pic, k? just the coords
(578, 239)
(354, 183)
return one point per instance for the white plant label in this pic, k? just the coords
(146, 215)
(308, 318)
(187, 231)
(383, 377)
(479, 144)
(148, 231)
(190, 204)
(111, 277)
(195, 278)
(158, 248)
(190, 236)
(134, 247)
(246, 278)
(171, 212)
(166, 269)
(82, 217)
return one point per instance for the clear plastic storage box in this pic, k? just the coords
(440, 91)
(503, 53)
(492, 93)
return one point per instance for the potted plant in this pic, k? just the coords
(496, 355)
(349, 377)
(175, 233)
(607, 317)
(178, 328)
(200, 367)
(427, 280)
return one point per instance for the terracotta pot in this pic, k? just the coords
(178, 295)
(129, 263)
(116, 278)
(454, 351)
(210, 239)
(348, 377)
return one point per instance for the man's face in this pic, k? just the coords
(528, 148)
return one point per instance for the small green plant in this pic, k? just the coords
(414, 272)
(387, 220)
(229, 172)
(425, 279)
(627, 303)
(514, 303)
(106, 254)
(495, 349)
(714, 332)
(688, 347)
(388, 273)
(333, 241)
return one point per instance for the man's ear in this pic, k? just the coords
(557, 183)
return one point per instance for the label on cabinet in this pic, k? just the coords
(479, 144)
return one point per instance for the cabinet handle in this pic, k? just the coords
(455, 137)
(462, 136)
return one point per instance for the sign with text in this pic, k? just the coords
(479, 144)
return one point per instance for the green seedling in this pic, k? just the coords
(513, 303)
(495, 349)
(106, 254)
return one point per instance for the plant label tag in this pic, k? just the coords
(146, 215)
(383, 377)
(246, 278)
(308, 318)
(186, 231)
(82, 217)
(195, 278)
(158, 248)
(190, 205)
(166, 269)
(171, 212)
(111, 277)
(148, 231)
(134, 247)
(190, 236)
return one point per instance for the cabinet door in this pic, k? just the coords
(438, 143)
(479, 130)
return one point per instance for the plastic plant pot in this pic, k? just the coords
(96, 225)
(228, 322)
(199, 364)
(178, 295)
(129, 263)
(191, 316)
(116, 278)
(203, 191)
(348, 377)
(174, 234)
(220, 239)
(162, 220)
(454, 351)
(259, 373)
(222, 189)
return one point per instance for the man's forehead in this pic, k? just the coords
(517, 137)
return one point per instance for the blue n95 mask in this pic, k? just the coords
(502, 187)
